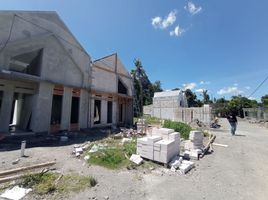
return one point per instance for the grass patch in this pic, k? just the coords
(183, 128)
(114, 155)
(47, 183)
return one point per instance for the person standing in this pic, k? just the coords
(233, 122)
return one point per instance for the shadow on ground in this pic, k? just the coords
(12, 142)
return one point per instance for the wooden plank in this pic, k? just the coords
(11, 171)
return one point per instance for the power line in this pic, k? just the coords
(258, 87)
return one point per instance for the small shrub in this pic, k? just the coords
(114, 155)
(183, 128)
(45, 183)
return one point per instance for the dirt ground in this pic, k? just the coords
(237, 172)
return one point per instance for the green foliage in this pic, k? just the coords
(264, 100)
(206, 98)
(114, 156)
(152, 120)
(192, 99)
(237, 103)
(45, 183)
(144, 89)
(183, 128)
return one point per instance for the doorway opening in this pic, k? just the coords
(56, 113)
(74, 113)
(97, 112)
(109, 112)
(21, 113)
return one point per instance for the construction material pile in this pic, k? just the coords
(162, 145)
(193, 147)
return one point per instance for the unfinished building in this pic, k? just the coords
(46, 76)
(173, 105)
(111, 92)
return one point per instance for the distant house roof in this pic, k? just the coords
(167, 93)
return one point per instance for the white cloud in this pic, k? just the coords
(229, 90)
(235, 84)
(189, 86)
(158, 22)
(192, 8)
(200, 90)
(252, 98)
(204, 82)
(177, 31)
(247, 87)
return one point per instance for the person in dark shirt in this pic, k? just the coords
(233, 122)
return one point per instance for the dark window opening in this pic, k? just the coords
(56, 109)
(121, 88)
(21, 112)
(120, 112)
(97, 112)
(28, 63)
(109, 112)
(1, 97)
(75, 110)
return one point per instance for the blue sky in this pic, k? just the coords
(221, 46)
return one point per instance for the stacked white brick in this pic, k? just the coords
(195, 140)
(194, 145)
(161, 146)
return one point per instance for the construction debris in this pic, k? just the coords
(16, 161)
(16, 193)
(136, 159)
(220, 145)
(186, 166)
(126, 140)
(209, 144)
(27, 168)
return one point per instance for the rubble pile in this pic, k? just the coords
(79, 149)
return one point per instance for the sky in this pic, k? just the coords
(217, 45)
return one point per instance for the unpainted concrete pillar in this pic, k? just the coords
(42, 109)
(103, 111)
(83, 109)
(66, 108)
(5, 113)
(115, 112)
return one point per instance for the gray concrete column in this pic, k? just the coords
(92, 102)
(103, 111)
(5, 113)
(42, 110)
(66, 108)
(115, 112)
(83, 109)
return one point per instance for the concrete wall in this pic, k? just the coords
(64, 60)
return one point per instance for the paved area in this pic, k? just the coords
(237, 172)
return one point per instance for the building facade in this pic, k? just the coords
(46, 76)
(173, 105)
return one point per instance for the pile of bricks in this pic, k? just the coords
(193, 147)
(161, 146)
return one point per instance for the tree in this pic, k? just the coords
(192, 99)
(264, 101)
(157, 86)
(206, 98)
(237, 103)
(144, 89)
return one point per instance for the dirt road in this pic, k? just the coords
(239, 171)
